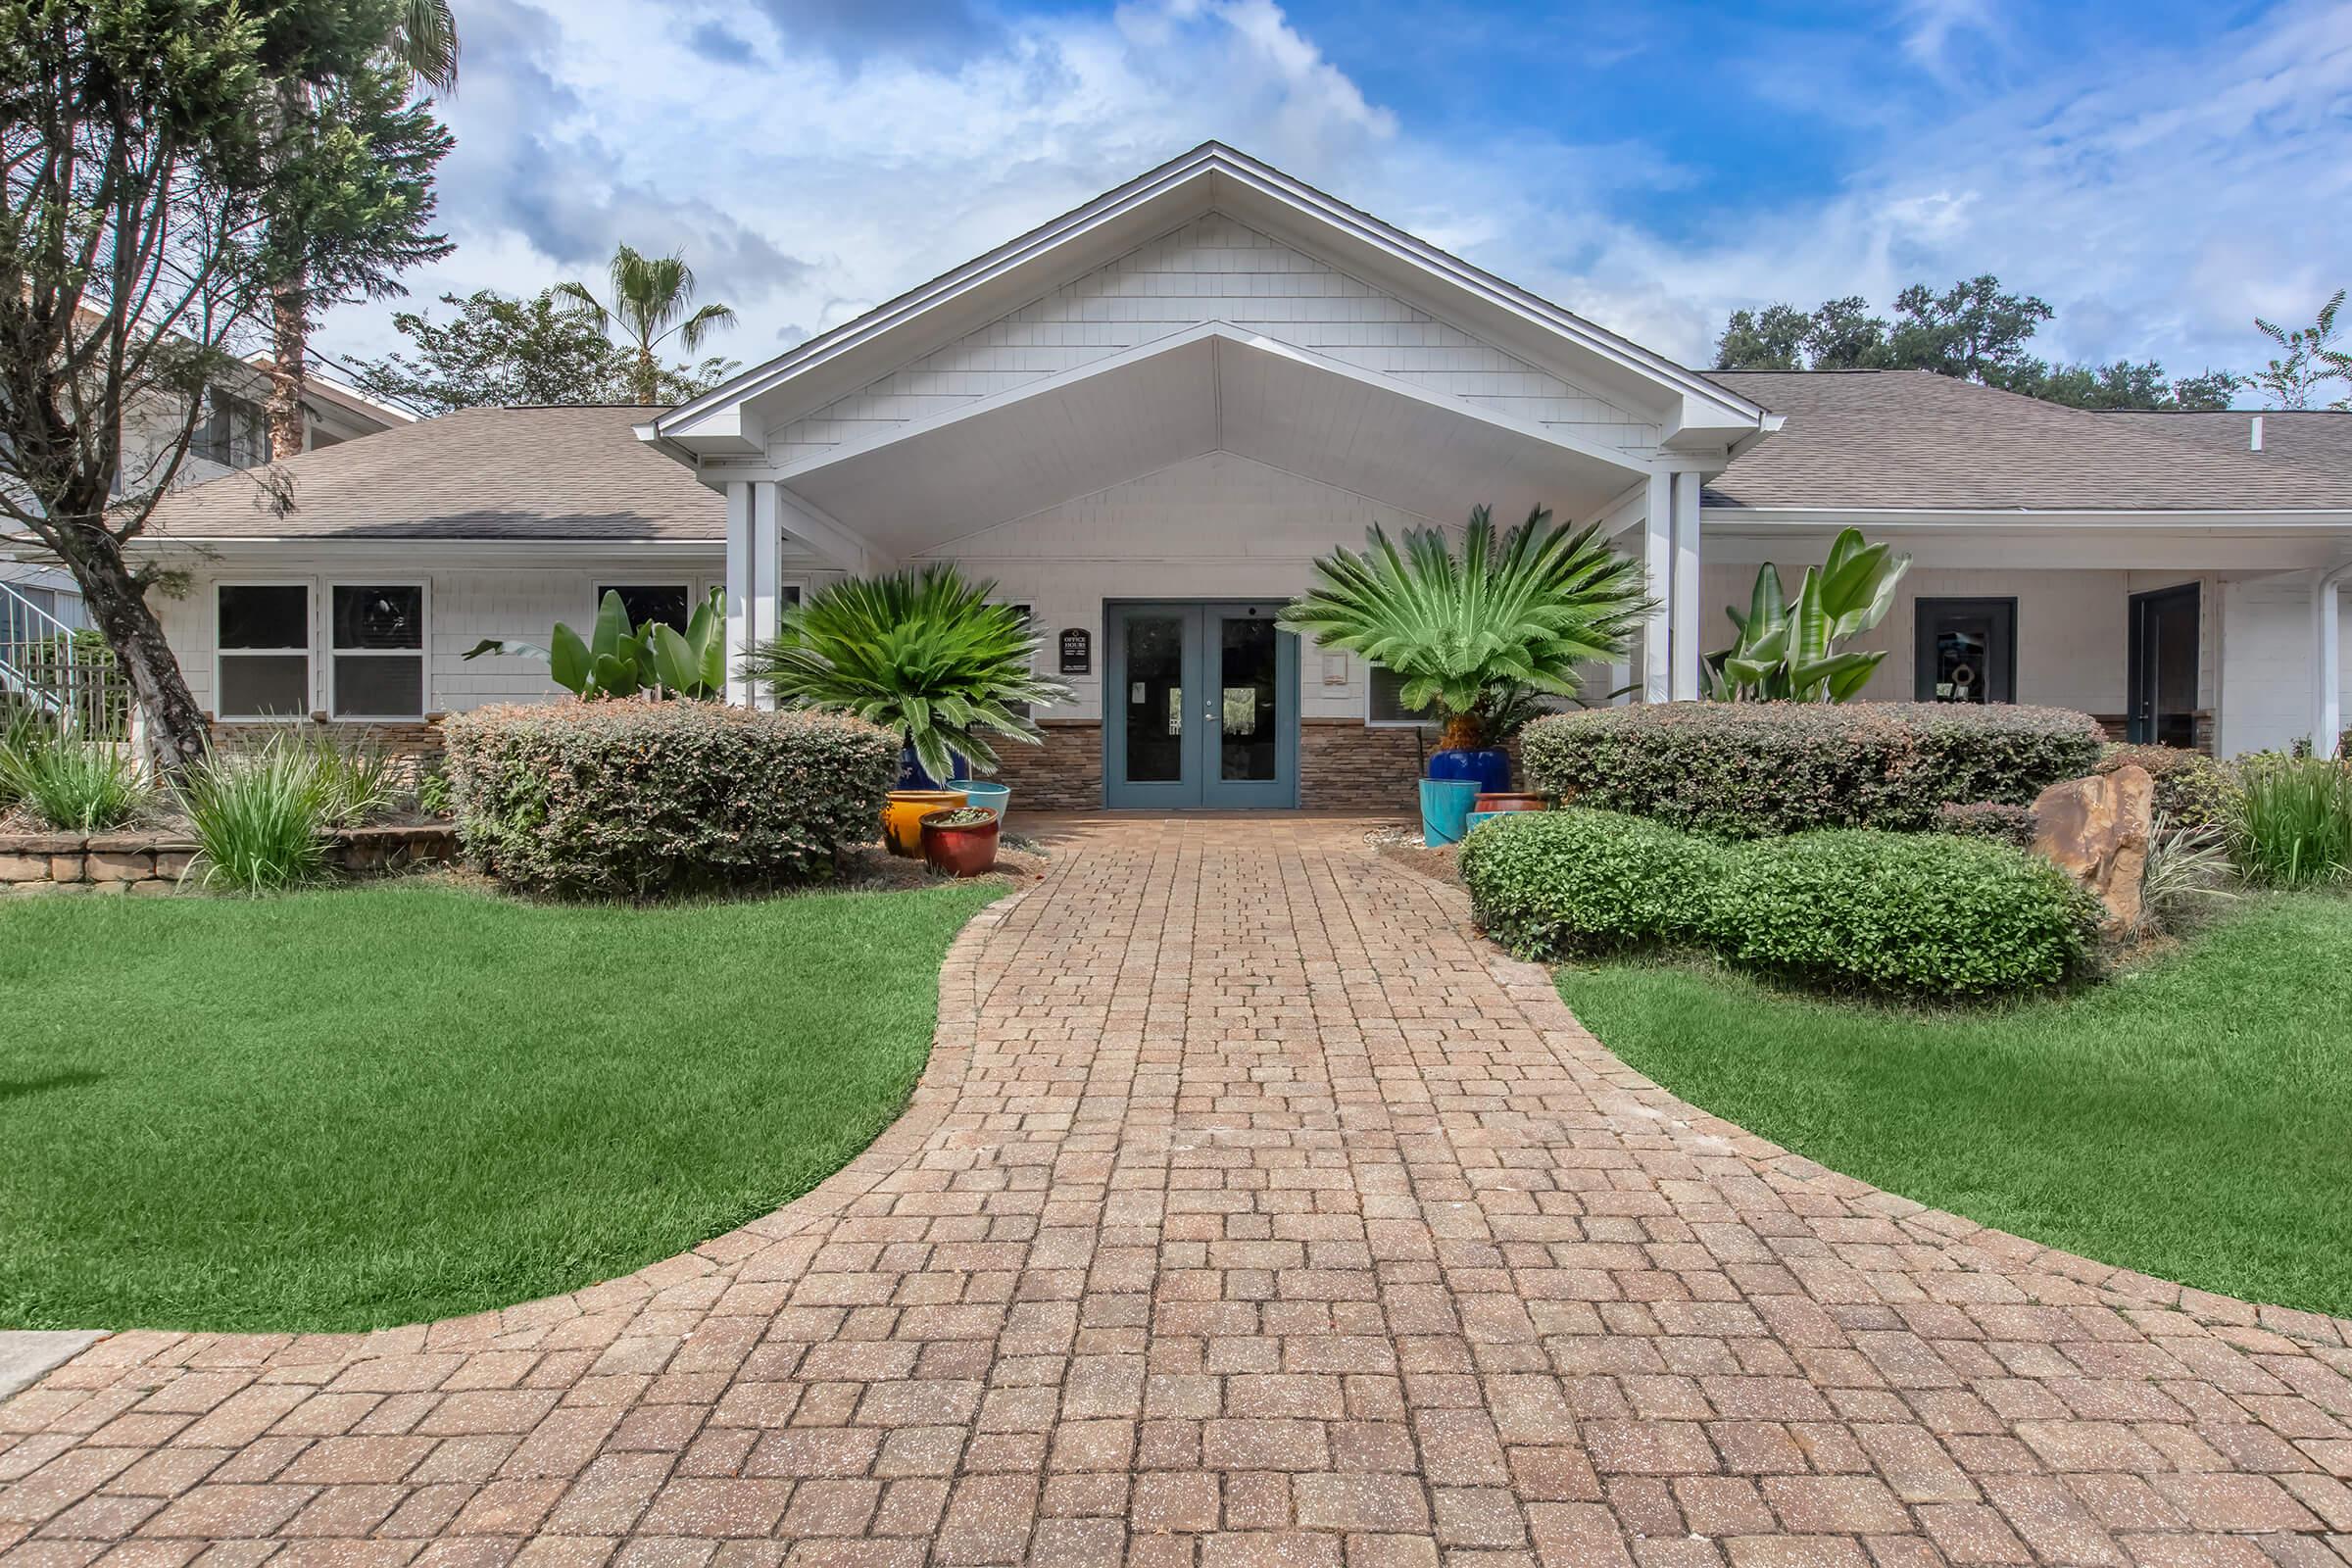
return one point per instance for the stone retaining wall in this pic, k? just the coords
(153, 862)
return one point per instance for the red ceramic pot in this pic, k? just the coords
(1511, 801)
(960, 850)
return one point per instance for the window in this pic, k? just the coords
(264, 647)
(1385, 703)
(234, 433)
(378, 651)
(671, 604)
(1966, 650)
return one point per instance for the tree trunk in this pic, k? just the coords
(648, 378)
(291, 335)
(174, 726)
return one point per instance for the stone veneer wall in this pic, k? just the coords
(1064, 774)
(153, 862)
(1343, 765)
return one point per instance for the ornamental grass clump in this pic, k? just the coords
(2291, 822)
(77, 786)
(260, 817)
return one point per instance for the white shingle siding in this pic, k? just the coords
(1213, 269)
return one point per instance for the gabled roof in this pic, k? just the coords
(1898, 440)
(733, 417)
(531, 473)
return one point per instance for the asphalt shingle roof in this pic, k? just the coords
(1870, 439)
(479, 474)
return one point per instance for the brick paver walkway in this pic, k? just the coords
(1252, 1211)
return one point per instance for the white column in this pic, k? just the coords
(1685, 643)
(2327, 671)
(1657, 562)
(740, 509)
(768, 572)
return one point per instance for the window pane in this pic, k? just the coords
(378, 688)
(666, 605)
(265, 685)
(1388, 705)
(277, 617)
(1246, 694)
(1154, 699)
(380, 618)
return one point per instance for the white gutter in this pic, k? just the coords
(2328, 707)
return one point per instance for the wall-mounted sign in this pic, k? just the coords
(1077, 650)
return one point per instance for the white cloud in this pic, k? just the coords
(2157, 199)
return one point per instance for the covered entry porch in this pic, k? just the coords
(1154, 511)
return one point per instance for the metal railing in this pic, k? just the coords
(59, 674)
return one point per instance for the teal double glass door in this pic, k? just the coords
(1200, 708)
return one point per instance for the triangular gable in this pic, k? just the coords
(1503, 341)
(1213, 268)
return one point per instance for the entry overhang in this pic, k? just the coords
(915, 487)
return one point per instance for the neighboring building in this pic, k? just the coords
(1146, 418)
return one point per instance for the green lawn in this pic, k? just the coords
(366, 1107)
(2192, 1119)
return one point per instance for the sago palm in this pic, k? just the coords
(1516, 612)
(651, 295)
(925, 655)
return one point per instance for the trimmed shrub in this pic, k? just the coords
(1920, 912)
(1758, 769)
(1996, 820)
(635, 800)
(1548, 883)
(2191, 788)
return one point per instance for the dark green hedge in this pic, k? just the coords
(638, 799)
(1756, 769)
(1909, 914)
(2192, 789)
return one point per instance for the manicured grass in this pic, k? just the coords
(2190, 1119)
(366, 1107)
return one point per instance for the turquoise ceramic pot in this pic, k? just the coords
(1470, 822)
(992, 796)
(1445, 809)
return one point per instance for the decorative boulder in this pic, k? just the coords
(2096, 830)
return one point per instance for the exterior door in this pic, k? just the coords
(2164, 666)
(1967, 650)
(1200, 708)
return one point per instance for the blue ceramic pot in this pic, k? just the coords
(1445, 809)
(1490, 770)
(992, 796)
(913, 777)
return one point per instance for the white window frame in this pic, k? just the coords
(1370, 722)
(423, 652)
(309, 651)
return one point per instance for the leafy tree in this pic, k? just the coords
(2308, 358)
(153, 190)
(1771, 340)
(1974, 331)
(418, 45)
(651, 295)
(497, 351)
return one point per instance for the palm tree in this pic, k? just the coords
(424, 40)
(650, 299)
(1473, 635)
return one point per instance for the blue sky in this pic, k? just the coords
(2160, 171)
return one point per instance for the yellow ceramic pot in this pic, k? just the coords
(903, 817)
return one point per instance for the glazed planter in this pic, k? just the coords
(1488, 768)
(904, 813)
(911, 775)
(1445, 809)
(987, 792)
(954, 848)
(1511, 801)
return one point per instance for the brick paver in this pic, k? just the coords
(1252, 1212)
